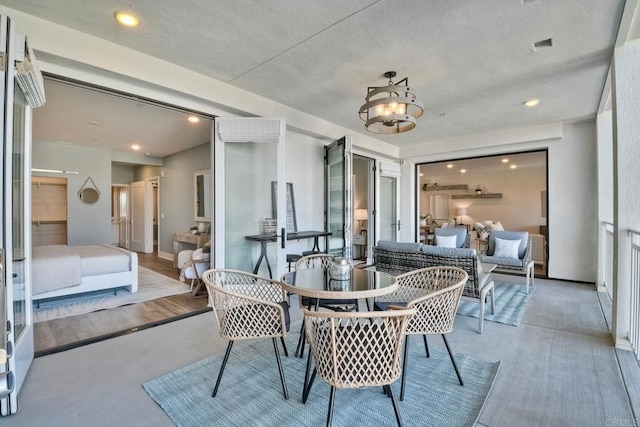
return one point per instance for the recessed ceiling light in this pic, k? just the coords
(128, 19)
(94, 123)
(513, 166)
(421, 174)
(463, 171)
(135, 147)
(193, 119)
(505, 160)
(449, 166)
(531, 102)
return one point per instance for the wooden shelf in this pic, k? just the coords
(477, 196)
(427, 187)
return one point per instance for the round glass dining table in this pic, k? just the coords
(317, 283)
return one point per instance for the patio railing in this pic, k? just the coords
(634, 312)
(608, 258)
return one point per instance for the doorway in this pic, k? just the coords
(509, 189)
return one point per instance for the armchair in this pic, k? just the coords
(498, 253)
(247, 306)
(462, 237)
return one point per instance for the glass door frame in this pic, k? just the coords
(250, 131)
(345, 248)
(391, 170)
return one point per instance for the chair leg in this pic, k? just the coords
(284, 384)
(493, 300)
(300, 346)
(306, 379)
(330, 412)
(405, 356)
(368, 306)
(395, 405)
(426, 345)
(481, 325)
(307, 390)
(224, 363)
(284, 346)
(530, 275)
(446, 343)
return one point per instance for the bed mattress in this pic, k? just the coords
(96, 260)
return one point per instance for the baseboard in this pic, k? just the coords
(165, 255)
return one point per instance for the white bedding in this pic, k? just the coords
(54, 267)
(59, 266)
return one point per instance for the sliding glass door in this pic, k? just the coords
(16, 348)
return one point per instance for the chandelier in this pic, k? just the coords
(391, 109)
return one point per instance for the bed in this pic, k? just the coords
(59, 270)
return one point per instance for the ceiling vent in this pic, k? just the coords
(542, 44)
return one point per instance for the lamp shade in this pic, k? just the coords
(360, 215)
(462, 211)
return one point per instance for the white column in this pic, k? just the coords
(604, 123)
(626, 178)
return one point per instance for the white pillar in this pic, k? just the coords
(604, 123)
(626, 178)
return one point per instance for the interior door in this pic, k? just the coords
(338, 199)
(142, 216)
(250, 157)
(16, 349)
(388, 222)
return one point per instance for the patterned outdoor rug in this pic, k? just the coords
(151, 285)
(251, 394)
(511, 301)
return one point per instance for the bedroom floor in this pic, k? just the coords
(63, 334)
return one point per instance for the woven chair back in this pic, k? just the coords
(435, 293)
(357, 349)
(314, 261)
(245, 305)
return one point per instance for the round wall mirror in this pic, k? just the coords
(89, 195)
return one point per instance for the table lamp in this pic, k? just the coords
(461, 212)
(361, 215)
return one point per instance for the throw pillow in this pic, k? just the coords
(497, 226)
(446, 241)
(506, 248)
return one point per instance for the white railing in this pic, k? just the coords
(634, 311)
(608, 258)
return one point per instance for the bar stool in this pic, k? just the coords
(292, 258)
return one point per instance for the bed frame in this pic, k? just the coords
(127, 279)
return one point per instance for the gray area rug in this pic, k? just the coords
(251, 394)
(511, 301)
(151, 285)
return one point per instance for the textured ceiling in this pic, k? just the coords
(471, 62)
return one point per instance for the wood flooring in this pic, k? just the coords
(62, 334)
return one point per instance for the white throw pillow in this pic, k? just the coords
(497, 226)
(446, 241)
(506, 248)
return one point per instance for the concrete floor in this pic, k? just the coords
(558, 368)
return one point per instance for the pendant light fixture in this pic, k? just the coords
(391, 109)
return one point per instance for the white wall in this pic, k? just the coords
(572, 215)
(86, 224)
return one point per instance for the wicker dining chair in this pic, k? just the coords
(319, 261)
(434, 292)
(247, 306)
(356, 350)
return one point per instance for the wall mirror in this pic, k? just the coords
(89, 192)
(202, 200)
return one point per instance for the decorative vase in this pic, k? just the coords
(202, 227)
(340, 269)
(269, 225)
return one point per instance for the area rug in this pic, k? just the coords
(511, 301)
(251, 394)
(151, 285)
